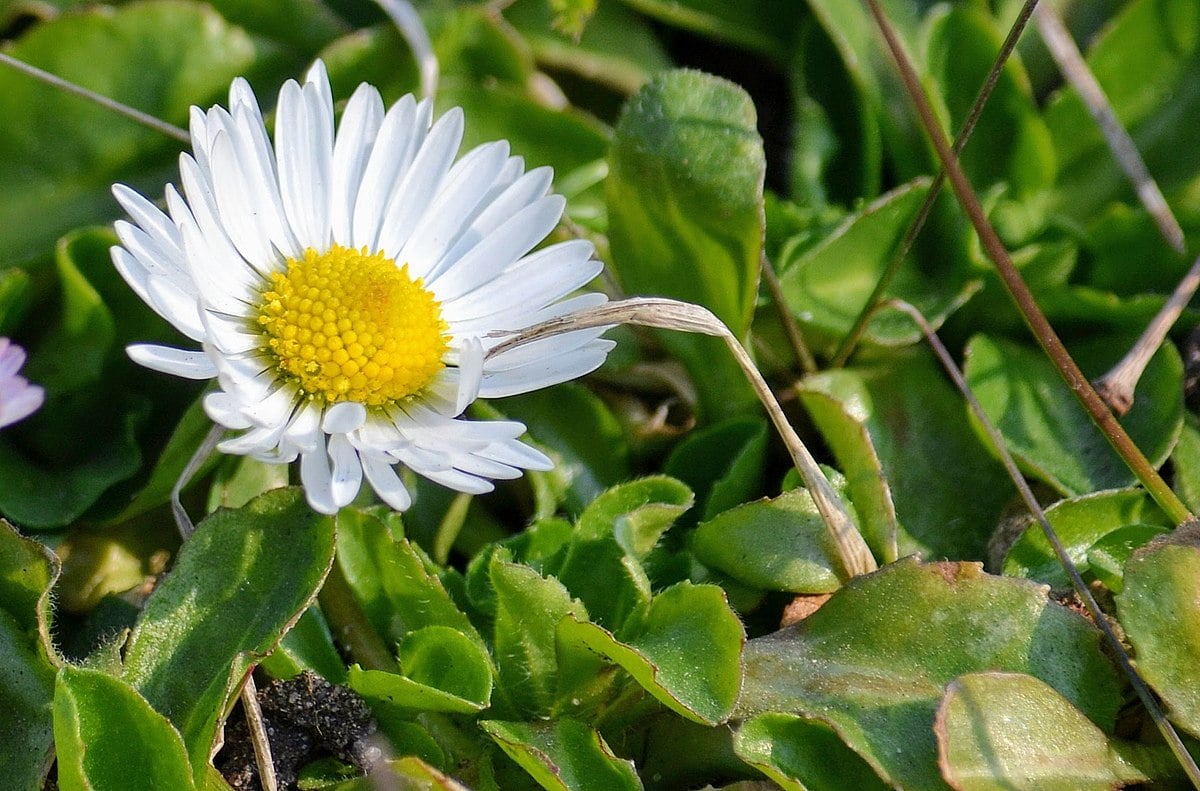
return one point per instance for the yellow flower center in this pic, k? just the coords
(351, 326)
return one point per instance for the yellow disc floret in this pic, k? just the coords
(351, 326)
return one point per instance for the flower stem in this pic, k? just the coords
(1020, 293)
(853, 554)
(350, 625)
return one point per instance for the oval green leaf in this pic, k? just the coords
(802, 755)
(781, 544)
(1013, 732)
(1159, 609)
(897, 430)
(1079, 522)
(826, 285)
(240, 582)
(686, 652)
(1048, 431)
(108, 738)
(685, 208)
(564, 755)
(875, 659)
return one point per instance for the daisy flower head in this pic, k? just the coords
(18, 398)
(344, 286)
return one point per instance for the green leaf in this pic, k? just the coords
(391, 581)
(1107, 557)
(636, 513)
(160, 57)
(873, 77)
(685, 208)
(827, 284)
(528, 609)
(240, 582)
(874, 660)
(1080, 523)
(781, 544)
(305, 25)
(239, 479)
(686, 651)
(389, 693)
(1011, 731)
(1010, 143)
(49, 479)
(307, 646)
(603, 575)
(802, 755)
(16, 293)
(617, 48)
(896, 427)
(723, 464)
(1048, 431)
(193, 426)
(1145, 61)
(1159, 612)
(1185, 460)
(443, 658)
(580, 433)
(765, 28)
(26, 689)
(563, 754)
(28, 572)
(108, 738)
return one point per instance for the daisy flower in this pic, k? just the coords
(18, 398)
(342, 287)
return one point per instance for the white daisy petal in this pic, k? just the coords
(411, 196)
(463, 190)
(178, 362)
(284, 262)
(400, 135)
(500, 249)
(18, 397)
(304, 153)
(224, 409)
(517, 454)
(355, 136)
(304, 430)
(344, 417)
(318, 480)
(514, 197)
(261, 442)
(460, 481)
(347, 470)
(555, 370)
(386, 483)
(470, 368)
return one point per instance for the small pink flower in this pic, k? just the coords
(18, 398)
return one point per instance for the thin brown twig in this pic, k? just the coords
(1070, 61)
(790, 328)
(1064, 558)
(1020, 293)
(170, 130)
(848, 344)
(257, 727)
(1117, 386)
